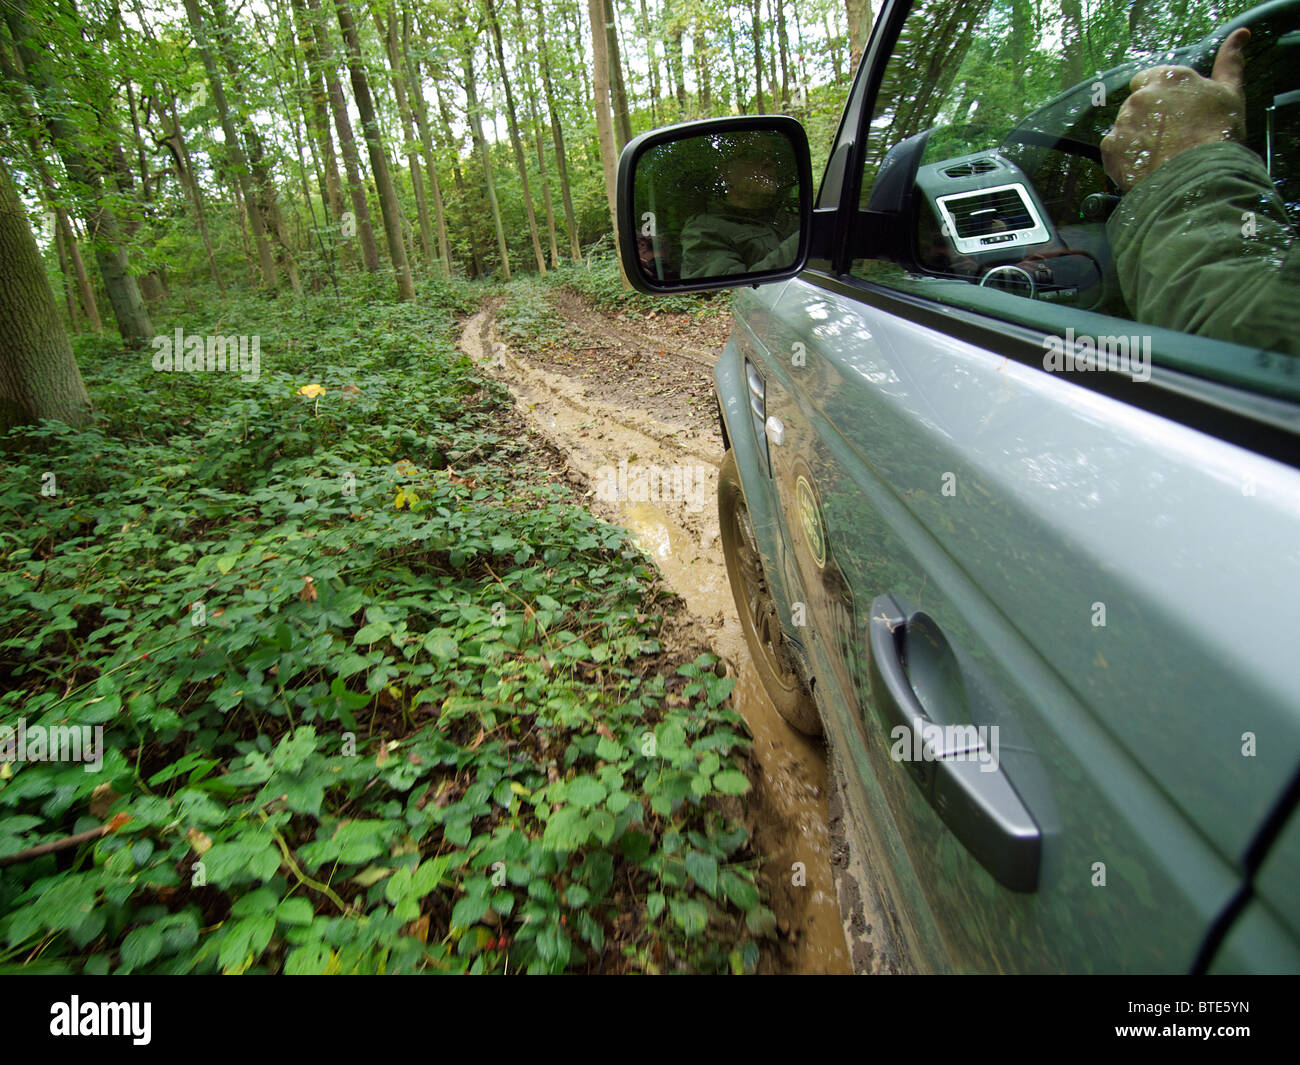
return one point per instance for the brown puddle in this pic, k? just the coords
(787, 808)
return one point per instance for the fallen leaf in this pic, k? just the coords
(101, 799)
(200, 841)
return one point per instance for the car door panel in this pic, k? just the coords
(884, 408)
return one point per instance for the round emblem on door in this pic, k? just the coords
(810, 519)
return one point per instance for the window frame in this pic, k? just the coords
(1261, 423)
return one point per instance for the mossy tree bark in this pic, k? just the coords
(38, 373)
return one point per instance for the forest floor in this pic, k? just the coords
(613, 390)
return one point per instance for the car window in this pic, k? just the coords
(985, 180)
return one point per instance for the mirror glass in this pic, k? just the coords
(718, 205)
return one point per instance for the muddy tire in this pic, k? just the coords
(756, 607)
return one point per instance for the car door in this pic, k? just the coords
(1075, 593)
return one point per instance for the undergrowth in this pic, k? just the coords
(375, 694)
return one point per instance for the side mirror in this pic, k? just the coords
(714, 204)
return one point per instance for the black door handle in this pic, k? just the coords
(952, 764)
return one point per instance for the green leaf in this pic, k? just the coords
(371, 875)
(731, 782)
(141, 946)
(373, 632)
(295, 911)
(441, 646)
(585, 791)
(469, 910)
(703, 869)
(740, 891)
(566, 830)
(690, 914)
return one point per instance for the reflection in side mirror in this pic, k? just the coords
(715, 204)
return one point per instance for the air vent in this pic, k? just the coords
(990, 212)
(971, 168)
(995, 219)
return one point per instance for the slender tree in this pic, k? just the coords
(390, 31)
(237, 162)
(516, 142)
(557, 139)
(420, 109)
(388, 206)
(360, 221)
(600, 89)
(475, 116)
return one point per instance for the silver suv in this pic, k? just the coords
(1010, 501)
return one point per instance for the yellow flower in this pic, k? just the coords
(311, 391)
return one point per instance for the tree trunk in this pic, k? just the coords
(389, 32)
(238, 163)
(604, 120)
(859, 16)
(622, 119)
(530, 90)
(476, 256)
(653, 59)
(174, 142)
(756, 35)
(516, 143)
(38, 373)
(673, 48)
(1073, 43)
(481, 146)
(736, 77)
(557, 139)
(67, 236)
(331, 184)
(378, 159)
(347, 141)
(426, 143)
(255, 153)
(101, 223)
(703, 86)
(65, 271)
(783, 46)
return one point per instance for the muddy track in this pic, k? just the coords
(608, 436)
(661, 364)
(633, 337)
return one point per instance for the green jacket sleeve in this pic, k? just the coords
(710, 248)
(1203, 245)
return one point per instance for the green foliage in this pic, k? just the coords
(527, 314)
(376, 695)
(600, 281)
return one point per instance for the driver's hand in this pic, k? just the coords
(1172, 109)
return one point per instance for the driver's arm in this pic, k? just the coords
(709, 248)
(1201, 240)
(1203, 245)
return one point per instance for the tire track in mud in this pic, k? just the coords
(602, 328)
(788, 807)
